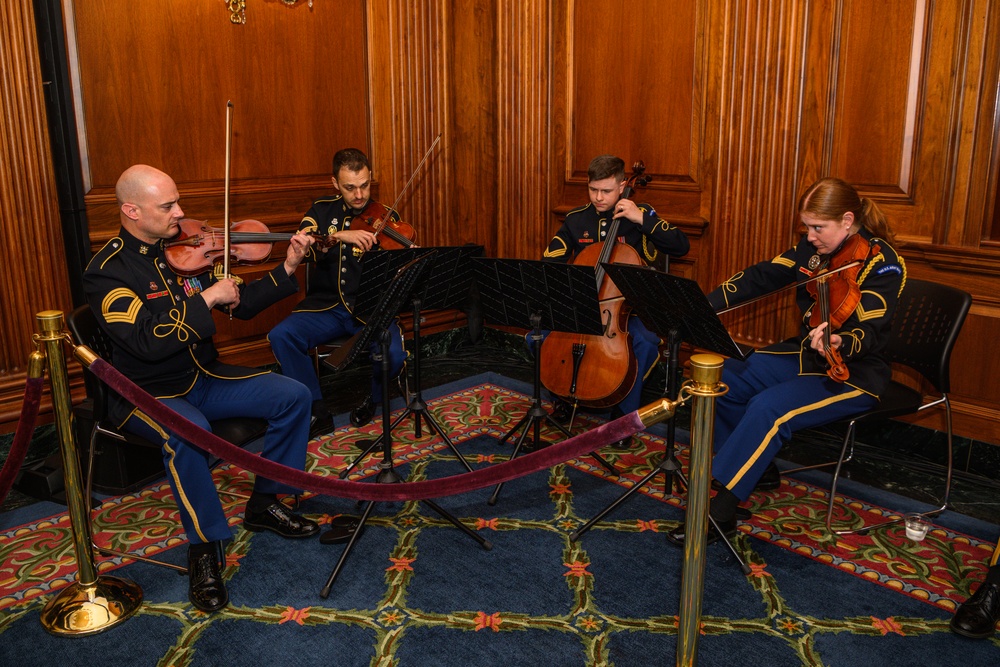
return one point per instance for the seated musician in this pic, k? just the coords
(326, 311)
(977, 617)
(161, 328)
(785, 387)
(642, 229)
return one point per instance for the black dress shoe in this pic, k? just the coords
(562, 411)
(770, 480)
(362, 414)
(677, 535)
(320, 426)
(279, 519)
(977, 617)
(206, 589)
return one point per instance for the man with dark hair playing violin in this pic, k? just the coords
(788, 386)
(642, 229)
(161, 328)
(326, 312)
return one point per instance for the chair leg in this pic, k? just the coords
(949, 469)
(104, 551)
(831, 501)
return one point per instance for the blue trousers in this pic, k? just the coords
(767, 401)
(645, 346)
(282, 401)
(298, 333)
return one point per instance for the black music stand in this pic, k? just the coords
(397, 292)
(546, 295)
(446, 284)
(677, 309)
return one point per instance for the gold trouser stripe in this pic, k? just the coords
(182, 499)
(778, 422)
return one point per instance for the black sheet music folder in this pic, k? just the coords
(666, 302)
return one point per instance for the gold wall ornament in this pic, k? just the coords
(237, 11)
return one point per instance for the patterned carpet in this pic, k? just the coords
(416, 591)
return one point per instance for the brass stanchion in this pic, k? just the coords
(92, 603)
(704, 388)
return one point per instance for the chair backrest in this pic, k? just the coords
(928, 319)
(86, 331)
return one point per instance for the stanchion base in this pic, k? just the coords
(79, 611)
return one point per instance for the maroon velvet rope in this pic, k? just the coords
(436, 488)
(25, 427)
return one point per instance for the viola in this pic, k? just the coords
(198, 247)
(597, 371)
(837, 294)
(389, 234)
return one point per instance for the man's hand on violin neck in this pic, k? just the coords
(357, 237)
(222, 293)
(298, 246)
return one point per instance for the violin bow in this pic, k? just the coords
(225, 214)
(412, 176)
(824, 274)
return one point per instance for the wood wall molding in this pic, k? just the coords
(30, 235)
(734, 106)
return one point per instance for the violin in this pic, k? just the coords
(597, 371)
(837, 294)
(198, 247)
(389, 234)
(377, 219)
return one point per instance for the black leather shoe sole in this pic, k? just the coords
(341, 529)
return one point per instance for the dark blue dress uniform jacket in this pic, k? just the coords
(865, 333)
(161, 329)
(585, 226)
(336, 276)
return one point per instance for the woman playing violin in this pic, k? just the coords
(326, 311)
(786, 387)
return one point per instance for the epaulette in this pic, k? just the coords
(110, 249)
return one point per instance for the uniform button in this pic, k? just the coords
(603, 223)
(162, 265)
(170, 281)
(194, 346)
(343, 282)
(343, 269)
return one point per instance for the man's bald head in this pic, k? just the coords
(135, 182)
(148, 203)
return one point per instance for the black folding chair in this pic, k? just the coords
(925, 326)
(104, 435)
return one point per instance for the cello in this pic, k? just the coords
(590, 370)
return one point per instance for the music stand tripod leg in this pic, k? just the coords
(388, 475)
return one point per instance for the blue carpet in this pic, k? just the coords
(416, 591)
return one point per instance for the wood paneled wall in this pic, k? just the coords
(733, 105)
(34, 273)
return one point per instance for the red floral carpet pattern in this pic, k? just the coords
(37, 558)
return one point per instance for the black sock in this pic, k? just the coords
(259, 502)
(201, 548)
(993, 575)
(723, 506)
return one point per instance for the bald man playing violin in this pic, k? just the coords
(785, 387)
(161, 326)
(327, 311)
